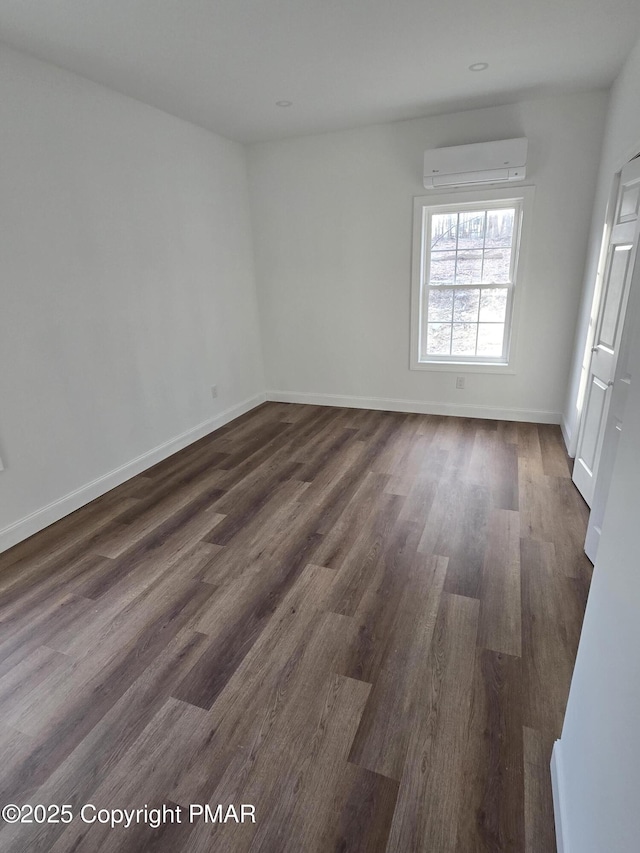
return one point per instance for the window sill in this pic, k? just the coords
(464, 367)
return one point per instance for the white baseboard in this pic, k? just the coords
(388, 404)
(592, 542)
(41, 518)
(567, 436)
(557, 786)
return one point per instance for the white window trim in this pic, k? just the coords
(522, 194)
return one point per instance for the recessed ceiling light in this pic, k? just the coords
(284, 103)
(479, 66)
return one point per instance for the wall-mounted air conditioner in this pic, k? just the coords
(479, 163)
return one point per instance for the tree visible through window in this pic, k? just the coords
(468, 272)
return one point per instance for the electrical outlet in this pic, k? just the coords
(214, 391)
(459, 382)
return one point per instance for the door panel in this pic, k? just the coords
(595, 406)
(611, 312)
(629, 203)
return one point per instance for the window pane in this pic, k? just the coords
(439, 339)
(499, 227)
(490, 339)
(497, 266)
(440, 305)
(493, 306)
(443, 230)
(442, 268)
(471, 229)
(464, 339)
(469, 268)
(466, 305)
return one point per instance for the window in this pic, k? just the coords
(465, 275)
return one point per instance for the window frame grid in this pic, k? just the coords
(484, 204)
(448, 357)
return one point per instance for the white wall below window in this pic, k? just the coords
(332, 219)
(126, 289)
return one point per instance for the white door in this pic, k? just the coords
(615, 418)
(621, 252)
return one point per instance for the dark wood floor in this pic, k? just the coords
(363, 623)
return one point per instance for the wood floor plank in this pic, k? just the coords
(260, 540)
(500, 626)
(317, 457)
(62, 611)
(458, 440)
(240, 509)
(306, 797)
(411, 458)
(378, 608)
(340, 540)
(456, 528)
(494, 462)
(555, 461)
(396, 700)
(146, 769)
(236, 625)
(62, 727)
(394, 454)
(339, 476)
(507, 431)
(90, 528)
(347, 477)
(365, 802)
(353, 575)
(553, 510)
(493, 766)
(264, 720)
(166, 517)
(431, 795)
(77, 778)
(243, 476)
(539, 820)
(325, 763)
(21, 689)
(203, 468)
(133, 587)
(362, 622)
(552, 610)
(528, 441)
(19, 604)
(426, 480)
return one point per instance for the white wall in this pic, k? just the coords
(600, 745)
(126, 287)
(333, 222)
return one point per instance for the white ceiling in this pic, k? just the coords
(223, 63)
